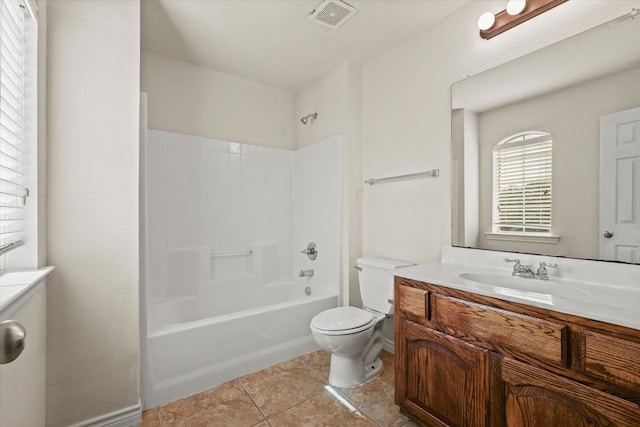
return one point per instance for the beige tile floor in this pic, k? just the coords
(295, 393)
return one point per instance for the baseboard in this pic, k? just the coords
(389, 346)
(125, 417)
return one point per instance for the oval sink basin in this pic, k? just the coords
(550, 287)
(498, 280)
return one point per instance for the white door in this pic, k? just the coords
(620, 186)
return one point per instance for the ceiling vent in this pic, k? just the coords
(332, 13)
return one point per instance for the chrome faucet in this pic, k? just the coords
(542, 272)
(522, 270)
(306, 273)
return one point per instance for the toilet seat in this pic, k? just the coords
(342, 321)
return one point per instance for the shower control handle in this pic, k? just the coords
(311, 251)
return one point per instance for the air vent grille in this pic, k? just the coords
(332, 13)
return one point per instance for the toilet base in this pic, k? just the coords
(347, 372)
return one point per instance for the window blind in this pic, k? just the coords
(522, 184)
(13, 193)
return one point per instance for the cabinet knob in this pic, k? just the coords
(12, 340)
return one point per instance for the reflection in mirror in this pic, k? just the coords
(584, 93)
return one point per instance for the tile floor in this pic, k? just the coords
(295, 393)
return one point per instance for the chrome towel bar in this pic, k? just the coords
(431, 174)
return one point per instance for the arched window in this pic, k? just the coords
(522, 184)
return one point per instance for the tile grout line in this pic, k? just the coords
(298, 361)
(253, 401)
(361, 410)
(293, 406)
(344, 396)
(160, 417)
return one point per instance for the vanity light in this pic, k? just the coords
(515, 7)
(517, 12)
(486, 21)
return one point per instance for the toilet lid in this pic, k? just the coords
(341, 319)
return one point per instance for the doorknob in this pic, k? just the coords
(12, 340)
(607, 234)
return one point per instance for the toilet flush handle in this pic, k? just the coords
(390, 301)
(357, 268)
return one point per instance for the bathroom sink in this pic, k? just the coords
(497, 280)
(526, 285)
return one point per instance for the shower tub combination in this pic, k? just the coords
(223, 224)
(196, 343)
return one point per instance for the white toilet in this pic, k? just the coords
(354, 336)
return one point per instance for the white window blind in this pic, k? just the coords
(522, 184)
(13, 193)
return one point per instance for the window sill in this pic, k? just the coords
(17, 287)
(521, 237)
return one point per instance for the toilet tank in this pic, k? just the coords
(376, 282)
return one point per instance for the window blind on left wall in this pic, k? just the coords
(13, 193)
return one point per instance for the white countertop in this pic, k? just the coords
(619, 305)
(604, 291)
(16, 287)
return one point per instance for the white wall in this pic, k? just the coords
(317, 210)
(22, 382)
(211, 195)
(92, 226)
(42, 133)
(328, 97)
(407, 116)
(193, 100)
(337, 98)
(572, 117)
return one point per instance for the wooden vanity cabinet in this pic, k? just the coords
(463, 359)
(534, 397)
(445, 377)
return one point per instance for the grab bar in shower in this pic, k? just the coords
(216, 254)
(432, 173)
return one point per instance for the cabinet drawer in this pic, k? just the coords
(413, 300)
(503, 330)
(612, 359)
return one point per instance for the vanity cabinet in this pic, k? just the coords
(463, 359)
(445, 377)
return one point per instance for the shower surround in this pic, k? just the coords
(223, 224)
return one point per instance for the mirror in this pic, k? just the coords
(585, 92)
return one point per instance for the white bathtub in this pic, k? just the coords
(196, 343)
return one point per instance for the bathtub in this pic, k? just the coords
(195, 343)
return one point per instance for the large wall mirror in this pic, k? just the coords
(546, 150)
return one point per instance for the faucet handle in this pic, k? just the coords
(542, 270)
(311, 251)
(517, 261)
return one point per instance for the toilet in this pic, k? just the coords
(354, 336)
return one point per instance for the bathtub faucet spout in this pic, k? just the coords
(306, 273)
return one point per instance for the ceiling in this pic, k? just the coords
(272, 41)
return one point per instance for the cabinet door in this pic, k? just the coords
(538, 398)
(441, 380)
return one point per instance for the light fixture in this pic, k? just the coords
(486, 21)
(516, 12)
(515, 7)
